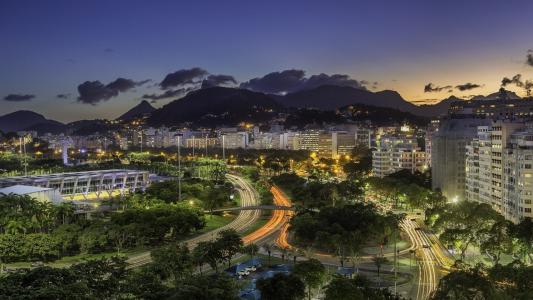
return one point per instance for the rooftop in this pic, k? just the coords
(22, 189)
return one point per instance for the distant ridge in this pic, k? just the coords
(142, 109)
(29, 120)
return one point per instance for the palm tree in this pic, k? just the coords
(268, 249)
(15, 226)
(379, 261)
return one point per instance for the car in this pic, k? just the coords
(414, 220)
(426, 246)
(251, 269)
(243, 273)
(418, 228)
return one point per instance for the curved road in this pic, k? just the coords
(245, 219)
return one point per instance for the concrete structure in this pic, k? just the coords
(89, 185)
(39, 193)
(234, 140)
(395, 153)
(448, 154)
(517, 191)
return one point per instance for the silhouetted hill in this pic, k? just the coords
(440, 108)
(329, 97)
(216, 106)
(26, 120)
(381, 115)
(142, 109)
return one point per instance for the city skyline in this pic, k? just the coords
(52, 49)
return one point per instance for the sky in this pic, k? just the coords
(63, 58)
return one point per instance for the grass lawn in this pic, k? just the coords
(215, 221)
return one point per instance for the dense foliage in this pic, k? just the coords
(32, 230)
(343, 230)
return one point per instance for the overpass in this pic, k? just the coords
(255, 207)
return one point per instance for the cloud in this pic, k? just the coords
(335, 79)
(183, 77)
(517, 81)
(18, 97)
(109, 50)
(92, 92)
(294, 80)
(63, 96)
(529, 57)
(165, 95)
(430, 88)
(276, 82)
(217, 80)
(467, 86)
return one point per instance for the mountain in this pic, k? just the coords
(217, 106)
(142, 109)
(494, 96)
(28, 120)
(440, 108)
(329, 97)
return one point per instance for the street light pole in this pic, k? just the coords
(179, 167)
(223, 147)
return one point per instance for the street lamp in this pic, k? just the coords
(179, 166)
(223, 147)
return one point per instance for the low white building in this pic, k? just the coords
(39, 193)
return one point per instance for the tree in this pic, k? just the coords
(523, 234)
(220, 287)
(312, 273)
(497, 241)
(120, 235)
(342, 288)
(145, 284)
(251, 249)
(379, 261)
(44, 283)
(229, 243)
(465, 284)
(268, 249)
(281, 287)
(173, 261)
(208, 252)
(104, 277)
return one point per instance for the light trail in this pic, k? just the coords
(244, 220)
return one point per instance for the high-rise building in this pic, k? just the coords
(484, 163)
(448, 154)
(518, 176)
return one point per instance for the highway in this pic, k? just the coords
(433, 259)
(245, 219)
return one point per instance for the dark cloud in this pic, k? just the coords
(183, 77)
(63, 96)
(430, 87)
(216, 80)
(276, 82)
(109, 50)
(335, 79)
(18, 97)
(467, 86)
(516, 80)
(92, 92)
(529, 58)
(165, 95)
(295, 80)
